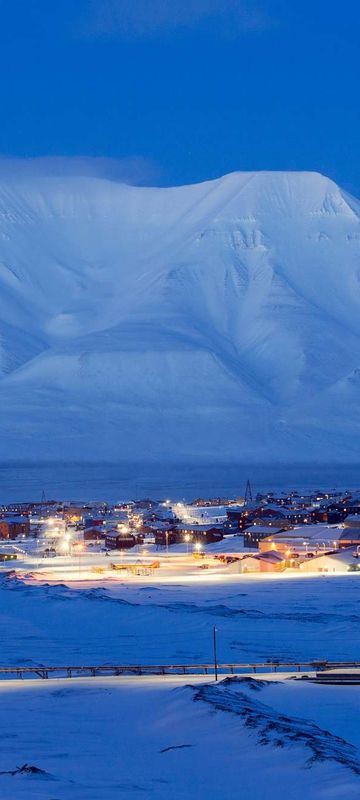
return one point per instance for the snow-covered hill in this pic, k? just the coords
(220, 320)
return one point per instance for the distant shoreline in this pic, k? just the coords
(26, 481)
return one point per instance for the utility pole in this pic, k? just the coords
(215, 653)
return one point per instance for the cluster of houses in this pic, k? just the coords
(117, 527)
(317, 533)
(310, 532)
(328, 562)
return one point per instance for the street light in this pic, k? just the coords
(187, 540)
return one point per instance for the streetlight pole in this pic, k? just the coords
(215, 653)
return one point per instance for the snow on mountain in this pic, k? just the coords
(219, 320)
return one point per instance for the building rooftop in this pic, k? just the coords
(309, 534)
(270, 555)
(352, 520)
(199, 528)
(347, 555)
(350, 533)
(263, 529)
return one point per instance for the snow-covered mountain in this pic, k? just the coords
(220, 320)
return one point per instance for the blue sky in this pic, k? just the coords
(184, 90)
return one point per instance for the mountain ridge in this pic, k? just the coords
(216, 320)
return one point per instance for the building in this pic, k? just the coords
(250, 563)
(335, 561)
(279, 523)
(94, 534)
(233, 522)
(254, 535)
(263, 562)
(299, 516)
(8, 556)
(164, 538)
(350, 533)
(74, 513)
(304, 539)
(12, 527)
(114, 540)
(239, 516)
(205, 534)
(93, 522)
(200, 514)
(337, 512)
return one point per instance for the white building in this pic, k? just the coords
(337, 561)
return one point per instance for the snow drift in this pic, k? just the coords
(219, 320)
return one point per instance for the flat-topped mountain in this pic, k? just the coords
(220, 320)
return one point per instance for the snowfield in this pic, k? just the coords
(215, 321)
(101, 739)
(291, 619)
(185, 737)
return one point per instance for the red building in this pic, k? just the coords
(12, 527)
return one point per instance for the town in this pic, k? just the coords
(291, 533)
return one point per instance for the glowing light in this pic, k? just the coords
(187, 537)
(123, 528)
(198, 546)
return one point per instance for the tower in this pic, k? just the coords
(248, 493)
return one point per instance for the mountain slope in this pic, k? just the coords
(219, 320)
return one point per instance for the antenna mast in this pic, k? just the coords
(248, 493)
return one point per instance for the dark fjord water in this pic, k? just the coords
(115, 482)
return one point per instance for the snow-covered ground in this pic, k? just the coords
(136, 621)
(181, 737)
(103, 739)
